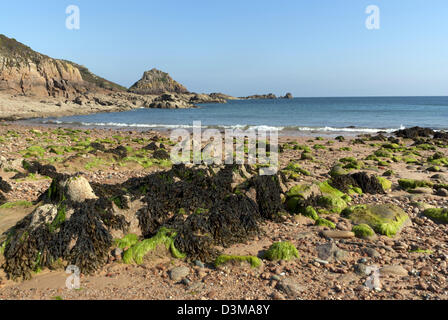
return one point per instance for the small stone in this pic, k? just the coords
(338, 234)
(442, 192)
(290, 287)
(199, 264)
(372, 253)
(394, 270)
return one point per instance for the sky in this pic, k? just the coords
(311, 48)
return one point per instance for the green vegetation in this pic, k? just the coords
(325, 223)
(407, 184)
(164, 236)
(385, 183)
(281, 251)
(223, 259)
(437, 214)
(386, 219)
(127, 241)
(21, 203)
(363, 231)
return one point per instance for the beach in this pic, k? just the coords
(412, 261)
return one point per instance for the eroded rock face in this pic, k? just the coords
(27, 72)
(157, 82)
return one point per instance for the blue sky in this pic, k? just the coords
(307, 47)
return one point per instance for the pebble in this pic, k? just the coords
(394, 270)
(178, 273)
(290, 286)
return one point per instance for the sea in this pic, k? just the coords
(298, 116)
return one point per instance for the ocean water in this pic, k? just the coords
(296, 116)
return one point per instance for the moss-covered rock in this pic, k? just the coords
(252, 260)
(325, 223)
(385, 183)
(437, 214)
(310, 212)
(337, 170)
(281, 251)
(408, 184)
(363, 231)
(332, 199)
(385, 219)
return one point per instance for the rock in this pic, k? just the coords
(442, 192)
(77, 189)
(152, 146)
(290, 287)
(178, 273)
(30, 73)
(288, 96)
(157, 82)
(330, 252)
(337, 234)
(372, 253)
(199, 264)
(43, 215)
(386, 219)
(422, 190)
(117, 253)
(337, 170)
(394, 270)
(161, 154)
(3, 162)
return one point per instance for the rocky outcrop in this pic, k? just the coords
(288, 96)
(261, 96)
(157, 82)
(24, 71)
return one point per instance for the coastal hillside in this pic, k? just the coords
(27, 72)
(157, 82)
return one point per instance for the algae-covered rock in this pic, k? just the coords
(325, 223)
(363, 231)
(437, 214)
(385, 219)
(332, 199)
(281, 251)
(408, 184)
(297, 196)
(224, 259)
(385, 183)
(337, 170)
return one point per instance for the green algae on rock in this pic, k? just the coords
(385, 183)
(281, 251)
(408, 184)
(137, 252)
(332, 198)
(385, 219)
(325, 223)
(254, 262)
(363, 231)
(437, 214)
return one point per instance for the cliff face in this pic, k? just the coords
(27, 72)
(157, 82)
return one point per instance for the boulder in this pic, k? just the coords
(385, 219)
(77, 189)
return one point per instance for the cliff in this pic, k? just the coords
(26, 72)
